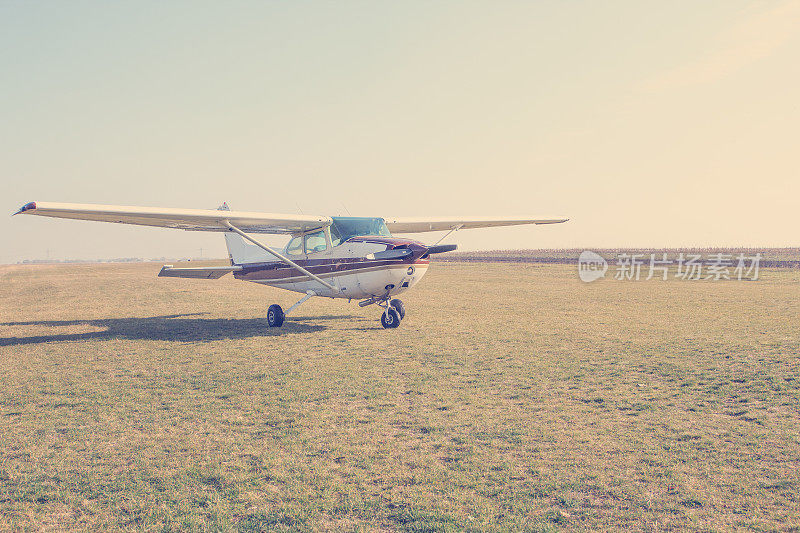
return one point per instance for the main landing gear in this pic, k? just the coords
(276, 315)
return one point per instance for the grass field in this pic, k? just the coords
(512, 397)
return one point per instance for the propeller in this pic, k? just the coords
(401, 253)
(441, 248)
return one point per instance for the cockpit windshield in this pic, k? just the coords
(345, 227)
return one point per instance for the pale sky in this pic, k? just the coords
(649, 124)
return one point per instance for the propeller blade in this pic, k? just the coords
(441, 248)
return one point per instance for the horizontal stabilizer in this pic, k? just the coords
(168, 271)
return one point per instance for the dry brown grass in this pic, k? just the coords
(511, 398)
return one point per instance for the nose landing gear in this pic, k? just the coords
(393, 312)
(390, 318)
(399, 307)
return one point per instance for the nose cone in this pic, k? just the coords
(419, 251)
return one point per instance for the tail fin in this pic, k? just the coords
(240, 251)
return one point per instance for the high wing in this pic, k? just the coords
(187, 219)
(419, 225)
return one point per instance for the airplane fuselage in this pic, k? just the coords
(348, 268)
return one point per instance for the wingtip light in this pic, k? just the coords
(27, 207)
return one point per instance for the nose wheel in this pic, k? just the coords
(390, 318)
(393, 312)
(399, 307)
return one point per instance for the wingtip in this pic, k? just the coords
(30, 206)
(559, 220)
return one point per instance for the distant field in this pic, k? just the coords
(512, 397)
(770, 257)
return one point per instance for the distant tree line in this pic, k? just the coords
(770, 257)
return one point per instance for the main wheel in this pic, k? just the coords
(401, 309)
(390, 318)
(275, 316)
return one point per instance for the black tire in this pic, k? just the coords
(401, 309)
(390, 318)
(275, 316)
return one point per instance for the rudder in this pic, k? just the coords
(240, 251)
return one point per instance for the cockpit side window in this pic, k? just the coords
(315, 242)
(295, 246)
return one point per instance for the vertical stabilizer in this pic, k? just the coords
(240, 251)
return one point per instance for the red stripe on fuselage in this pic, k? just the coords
(276, 271)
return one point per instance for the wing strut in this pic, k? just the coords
(452, 230)
(279, 256)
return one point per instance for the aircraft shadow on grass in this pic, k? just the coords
(176, 328)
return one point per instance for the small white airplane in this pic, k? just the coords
(333, 257)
